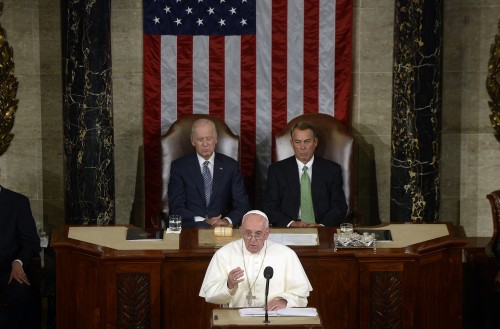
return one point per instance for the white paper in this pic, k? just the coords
(294, 239)
(289, 311)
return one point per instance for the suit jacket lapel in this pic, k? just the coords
(292, 175)
(195, 172)
(218, 176)
(316, 180)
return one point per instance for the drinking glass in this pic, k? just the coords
(174, 222)
(346, 228)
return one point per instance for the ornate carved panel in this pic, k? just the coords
(493, 84)
(386, 296)
(8, 90)
(133, 300)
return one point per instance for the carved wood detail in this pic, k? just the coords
(386, 300)
(133, 300)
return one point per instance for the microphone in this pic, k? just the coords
(268, 274)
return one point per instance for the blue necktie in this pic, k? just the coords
(207, 180)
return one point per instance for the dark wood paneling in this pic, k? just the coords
(414, 287)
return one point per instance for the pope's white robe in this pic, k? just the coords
(289, 280)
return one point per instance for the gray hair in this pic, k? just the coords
(203, 122)
(303, 125)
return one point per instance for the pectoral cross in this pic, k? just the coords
(249, 298)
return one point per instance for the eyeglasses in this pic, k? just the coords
(257, 236)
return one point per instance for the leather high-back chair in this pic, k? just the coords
(494, 245)
(335, 143)
(177, 143)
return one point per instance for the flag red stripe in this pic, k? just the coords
(216, 98)
(343, 59)
(152, 124)
(279, 66)
(184, 75)
(248, 111)
(311, 53)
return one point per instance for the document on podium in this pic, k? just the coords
(295, 239)
(289, 311)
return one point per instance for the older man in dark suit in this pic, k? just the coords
(304, 189)
(19, 243)
(206, 188)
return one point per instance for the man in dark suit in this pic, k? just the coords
(289, 191)
(206, 188)
(19, 243)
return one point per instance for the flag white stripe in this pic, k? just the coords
(169, 81)
(295, 59)
(233, 83)
(200, 75)
(326, 93)
(263, 97)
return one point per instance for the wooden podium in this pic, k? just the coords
(229, 318)
(106, 282)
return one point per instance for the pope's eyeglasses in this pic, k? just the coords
(257, 236)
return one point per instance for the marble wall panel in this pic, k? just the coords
(127, 105)
(475, 216)
(126, 45)
(483, 166)
(488, 20)
(126, 157)
(20, 24)
(453, 102)
(53, 213)
(51, 109)
(464, 160)
(126, 41)
(449, 209)
(46, 4)
(451, 165)
(376, 39)
(373, 177)
(355, 99)
(21, 167)
(53, 180)
(456, 38)
(388, 4)
(50, 56)
(28, 118)
(51, 114)
(126, 4)
(375, 92)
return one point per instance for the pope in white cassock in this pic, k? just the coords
(235, 273)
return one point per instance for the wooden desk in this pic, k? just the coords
(228, 318)
(415, 286)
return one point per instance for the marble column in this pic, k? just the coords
(416, 110)
(88, 117)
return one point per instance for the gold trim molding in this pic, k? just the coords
(8, 90)
(493, 84)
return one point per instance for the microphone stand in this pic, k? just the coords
(266, 318)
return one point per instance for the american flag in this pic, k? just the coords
(256, 64)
